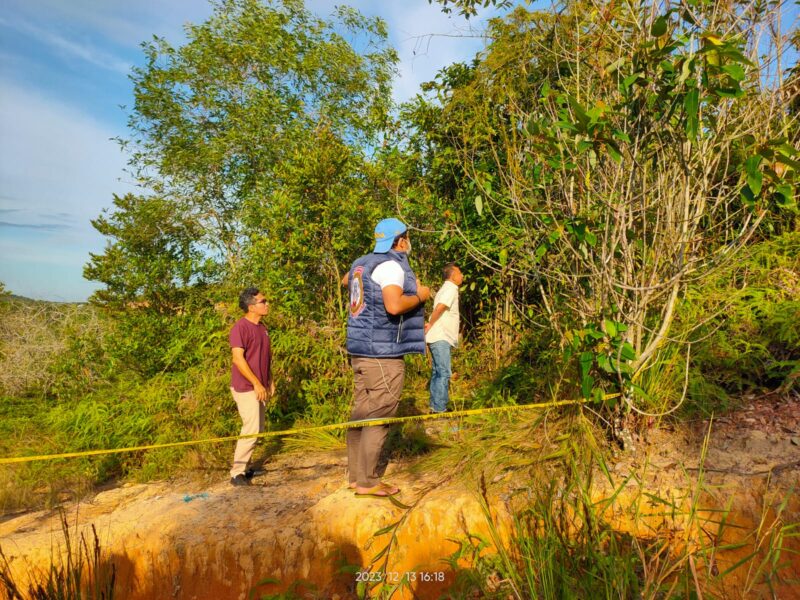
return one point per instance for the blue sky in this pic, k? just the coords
(64, 68)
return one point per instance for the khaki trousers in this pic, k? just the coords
(378, 385)
(252, 413)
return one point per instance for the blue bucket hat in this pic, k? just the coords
(385, 232)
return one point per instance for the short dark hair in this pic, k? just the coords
(448, 270)
(397, 239)
(248, 297)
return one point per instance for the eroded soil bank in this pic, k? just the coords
(182, 539)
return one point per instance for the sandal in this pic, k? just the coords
(382, 490)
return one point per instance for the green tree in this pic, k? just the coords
(157, 280)
(313, 225)
(224, 134)
(214, 119)
(153, 257)
(606, 158)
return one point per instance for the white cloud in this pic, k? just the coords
(54, 158)
(58, 169)
(124, 22)
(83, 51)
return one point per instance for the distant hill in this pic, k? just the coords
(26, 300)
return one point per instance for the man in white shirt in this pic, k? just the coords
(441, 334)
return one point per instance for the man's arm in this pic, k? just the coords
(437, 312)
(269, 384)
(247, 372)
(397, 303)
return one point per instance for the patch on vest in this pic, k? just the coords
(357, 292)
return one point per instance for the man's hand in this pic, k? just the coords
(397, 303)
(423, 291)
(247, 372)
(438, 311)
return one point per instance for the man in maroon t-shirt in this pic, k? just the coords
(251, 377)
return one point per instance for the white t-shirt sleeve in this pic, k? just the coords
(389, 273)
(447, 295)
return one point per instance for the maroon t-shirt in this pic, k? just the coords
(257, 352)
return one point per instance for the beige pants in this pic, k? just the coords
(252, 413)
(378, 385)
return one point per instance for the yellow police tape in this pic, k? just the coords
(288, 432)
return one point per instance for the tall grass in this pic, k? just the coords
(80, 571)
(560, 546)
(564, 545)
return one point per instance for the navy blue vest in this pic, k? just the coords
(373, 332)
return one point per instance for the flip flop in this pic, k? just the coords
(390, 488)
(382, 490)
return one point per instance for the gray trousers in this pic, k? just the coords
(378, 385)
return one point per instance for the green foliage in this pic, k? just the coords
(128, 411)
(148, 343)
(469, 8)
(152, 258)
(156, 278)
(84, 365)
(557, 554)
(312, 370)
(252, 137)
(313, 224)
(746, 320)
(603, 353)
(216, 118)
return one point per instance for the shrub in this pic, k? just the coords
(746, 323)
(35, 336)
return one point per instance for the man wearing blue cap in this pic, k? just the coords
(386, 322)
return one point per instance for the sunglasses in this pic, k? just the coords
(262, 301)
